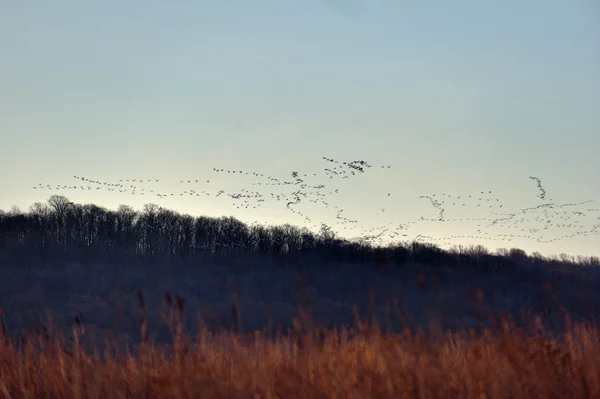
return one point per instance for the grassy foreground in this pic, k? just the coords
(506, 361)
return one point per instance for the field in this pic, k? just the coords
(239, 330)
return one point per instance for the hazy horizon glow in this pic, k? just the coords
(457, 98)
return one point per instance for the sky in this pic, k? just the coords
(457, 98)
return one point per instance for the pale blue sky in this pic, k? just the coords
(457, 97)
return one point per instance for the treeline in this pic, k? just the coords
(61, 228)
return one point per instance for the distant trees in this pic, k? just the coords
(59, 205)
(502, 252)
(517, 254)
(60, 226)
(326, 234)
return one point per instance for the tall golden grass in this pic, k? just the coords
(503, 361)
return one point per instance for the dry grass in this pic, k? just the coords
(507, 361)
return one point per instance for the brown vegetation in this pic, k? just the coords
(508, 361)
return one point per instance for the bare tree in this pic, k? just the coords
(59, 204)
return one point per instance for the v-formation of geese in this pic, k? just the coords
(548, 215)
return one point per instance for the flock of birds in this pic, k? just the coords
(298, 188)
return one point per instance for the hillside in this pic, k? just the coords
(71, 259)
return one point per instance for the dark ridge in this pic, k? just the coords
(63, 230)
(104, 270)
